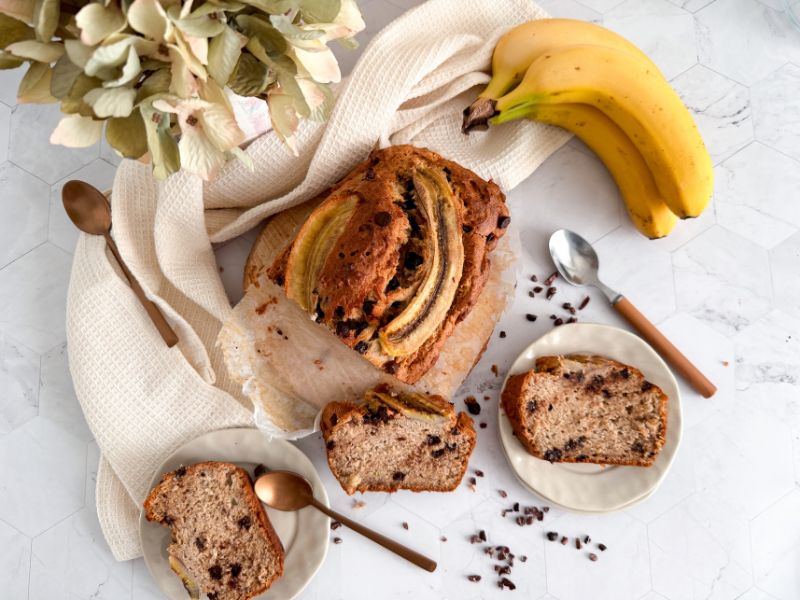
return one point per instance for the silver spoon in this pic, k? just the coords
(577, 262)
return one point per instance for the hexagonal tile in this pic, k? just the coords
(665, 32)
(72, 560)
(769, 352)
(15, 560)
(30, 147)
(5, 127)
(722, 279)
(755, 594)
(777, 116)
(144, 588)
(751, 191)
(33, 294)
(49, 484)
(560, 201)
(601, 6)
(19, 380)
(713, 353)
(9, 82)
(23, 212)
(745, 40)
(700, 549)
(783, 261)
(378, 567)
(570, 9)
(61, 231)
(622, 571)
(57, 400)
(721, 108)
(677, 485)
(691, 5)
(728, 450)
(461, 558)
(108, 154)
(775, 538)
(629, 261)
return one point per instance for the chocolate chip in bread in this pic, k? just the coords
(223, 541)
(587, 409)
(395, 440)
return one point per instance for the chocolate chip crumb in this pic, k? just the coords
(602, 547)
(530, 317)
(478, 473)
(578, 544)
(474, 578)
(502, 334)
(564, 540)
(335, 525)
(506, 582)
(551, 291)
(592, 556)
(551, 278)
(503, 493)
(472, 405)
(405, 525)
(558, 321)
(552, 536)
(534, 278)
(572, 320)
(523, 558)
(587, 539)
(337, 540)
(583, 303)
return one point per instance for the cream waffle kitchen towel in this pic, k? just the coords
(143, 400)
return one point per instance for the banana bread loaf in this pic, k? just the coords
(396, 255)
(587, 409)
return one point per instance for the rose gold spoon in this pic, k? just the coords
(284, 490)
(88, 208)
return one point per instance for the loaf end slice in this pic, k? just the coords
(394, 440)
(221, 535)
(587, 409)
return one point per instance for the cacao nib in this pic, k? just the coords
(551, 278)
(472, 405)
(583, 303)
(530, 317)
(474, 578)
(593, 557)
(551, 291)
(382, 218)
(552, 536)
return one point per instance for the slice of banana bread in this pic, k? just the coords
(397, 440)
(587, 409)
(222, 539)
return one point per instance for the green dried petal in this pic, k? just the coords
(275, 7)
(223, 54)
(9, 61)
(35, 85)
(12, 31)
(127, 135)
(319, 11)
(45, 18)
(250, 77)
(73, 102)
(202, 26)
(263, 32)
(163, 148)
(65, 72)
(155, 83)
(284, 24)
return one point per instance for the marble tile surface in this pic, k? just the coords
(725, 287)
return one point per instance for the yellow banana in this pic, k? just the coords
(645, 206)
(639, 100)
(523, 44)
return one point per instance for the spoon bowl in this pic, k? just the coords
(577, 262)
(87, 207)
(284, 490)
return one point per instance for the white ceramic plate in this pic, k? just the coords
(304, 534)
(594, 488)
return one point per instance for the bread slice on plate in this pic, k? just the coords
(223, 543)
(588, 409)
(395, 440)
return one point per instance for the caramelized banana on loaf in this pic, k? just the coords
(395, 255)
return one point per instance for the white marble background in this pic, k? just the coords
(726, 287)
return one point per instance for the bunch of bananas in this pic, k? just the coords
(601, 87)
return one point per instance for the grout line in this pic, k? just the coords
(8, 264)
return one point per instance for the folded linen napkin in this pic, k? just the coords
(143, 400)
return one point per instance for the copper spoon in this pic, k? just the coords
(284, 490)
(577, 262)
(88, 208)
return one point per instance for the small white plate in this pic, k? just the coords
(584, 487)
(304, 534)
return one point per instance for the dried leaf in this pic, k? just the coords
(284, 24)
(250, 77)
(284, 118)
(127, 135)
(262, 31)
(45, 18)
(162, 145)
(148, 18)
(111, 102)
(35, 85)
(22, 10)
(223, 53)
(78, 53)
(275, 7)
(8, 61)
(243, 156)
(75, 131)
(204, 26)
(319, 65)
(130, 70)
(12, 30)
(97, 21)
(319, 97)
(65, 72)
(319, 11)
(155, 83)
(74, 103)
(38, 51)
(183, 83)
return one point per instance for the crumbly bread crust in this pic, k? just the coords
(387, 450)
(227, 565)
(371, 253)
(588, 409)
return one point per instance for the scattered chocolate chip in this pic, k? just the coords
(495, 370)
(592, 556)
(602, 547)
(520, 520)
(538, 289)
(523, 558)
(587, 539)
(245, 522)
(531, 406)
(578, 544)
(382, 218)
(553, 454)
(443, 538)
(583, 303)
(503, 493)
(474, 578)
(507, 583)
(530, 317)
(572, 320)
(337, 540)
(236, 568)
(393, 284)
(546, 509)
(558, 321)
(503, 221)
(551, 278)
(342, 329)
(515, 507)
(532, 294)
(405, 525)
(646, 386)
(482, 535)
(564, 540)
(330, 445)
(552, 536)
(474, 539)
(478, 473)
(506, 570)
(212, 596)
(553, 317)
(502, 334)
(551, 291)
(398, 476)
(215, 572)
(472, 405)
(472, 481)
(335, 525)
(180, 472)
(339, 312)
(434, 440)
(534, 278)
(361, 347)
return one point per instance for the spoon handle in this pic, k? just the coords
(164, 328)
(410, 555)
(664, 347)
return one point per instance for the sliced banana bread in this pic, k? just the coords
(587, 409)
(397, 440)
(223, 542)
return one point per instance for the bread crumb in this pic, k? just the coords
(358, 504)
